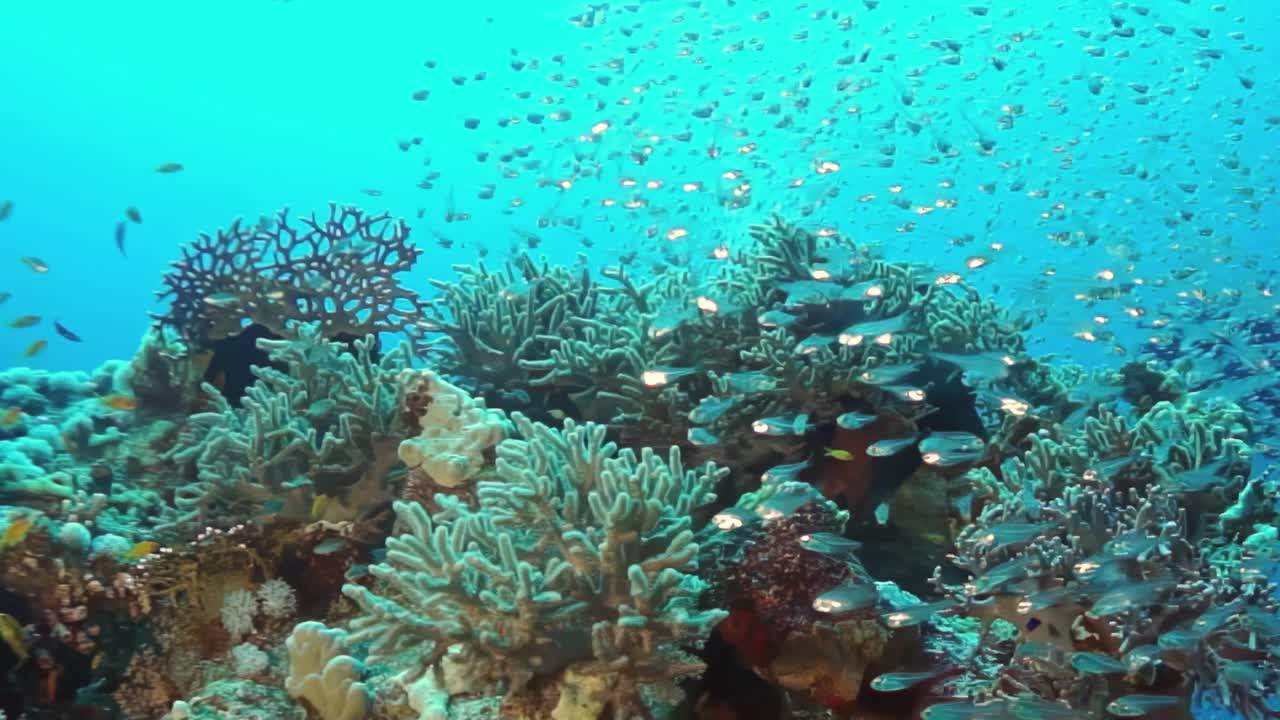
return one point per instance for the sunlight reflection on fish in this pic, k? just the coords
(830, 544)
(945, 449)
(891, 446)
(855, 420)
(847, 598)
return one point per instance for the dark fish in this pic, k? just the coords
(6, 209)
(64, 332)
(133, 215)
(120, 239)
(169, 168)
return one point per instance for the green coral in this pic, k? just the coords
(580, 556)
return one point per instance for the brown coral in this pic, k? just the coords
(338, 271)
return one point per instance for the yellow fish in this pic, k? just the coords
(837, 454)
(11, 633)
(319, 505)
(119, 402)
(16, 532)
(35, 348)
(25, 321)
(141, 550)
(35, 264)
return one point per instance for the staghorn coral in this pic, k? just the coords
(338, 272)
(577, 563)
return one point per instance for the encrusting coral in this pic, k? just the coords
(577, 563)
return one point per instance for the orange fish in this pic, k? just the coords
(119, 402)
(16, 532)
(10, 416)
(35, 348)
(141, 550)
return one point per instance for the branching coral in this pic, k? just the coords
(1099, 541)
(330, 425)
(338, 271)
(580, 557)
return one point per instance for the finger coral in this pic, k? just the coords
(577, 566)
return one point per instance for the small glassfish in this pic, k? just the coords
(1092, 663)
(855, 420)
(980, 368)
(1138, 705)
(899, 681)
(916, 614)
(879, 331)
(35, 263)
(775, 319)
(659, 376)
(702, 437)
(169, 168)
(783, 503)
(946, 449)
(750, 382)
(825, 543)
(709, 409)
(785, 472)
(783, 425)
(888, 373)
(890, 446)
(24, 321)
(847, 598)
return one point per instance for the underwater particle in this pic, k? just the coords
(420, 95)
(702, 437)
(1092, 663)
(471, 123)
(783, 425)
(35, 263)
(891, 446)
(882, 513)
(830, 544)
(899, 681)
(855, 420)
(35, 348)
(24, 321)
(4, 297)
(1138, 705)
(169, 168)
(848, 598)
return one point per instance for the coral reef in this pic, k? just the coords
(578, 563)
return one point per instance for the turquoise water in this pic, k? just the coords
(1104, 173)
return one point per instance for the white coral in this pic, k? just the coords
(457, 430)
(238, 609)
(277, 599)
(248, 660)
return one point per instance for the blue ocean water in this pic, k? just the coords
(1104, 170)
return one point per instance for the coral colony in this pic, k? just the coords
(815, 484)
